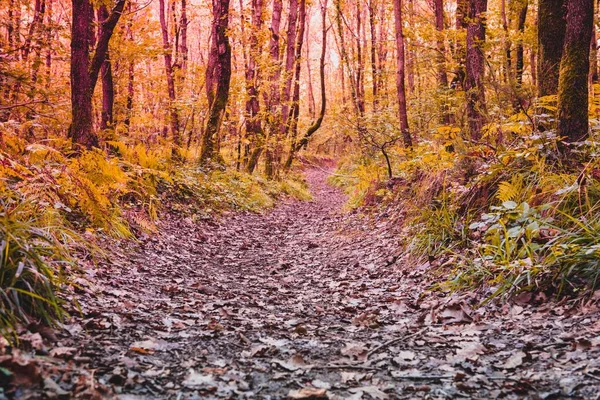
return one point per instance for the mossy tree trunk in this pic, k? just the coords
(475, 67)
(551, 35)
(218, 79)
(574, 68)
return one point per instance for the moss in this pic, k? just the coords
(574, 69)
(551, 34)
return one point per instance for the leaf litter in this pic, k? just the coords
(301, 302)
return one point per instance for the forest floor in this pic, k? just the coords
(303, 301)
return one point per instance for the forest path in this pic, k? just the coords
(296, 302)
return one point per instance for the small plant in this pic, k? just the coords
(574, 252)
(31, 260)
(439, 228)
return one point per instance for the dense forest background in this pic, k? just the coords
(478, 118)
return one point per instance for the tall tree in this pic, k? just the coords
(254, 129)
(475, 67)
(400, 68)
(551, 36)
(218, 79)
(170, 75)
(574, 68)
(442, 76)
(108, 89)
(462, 9)
(522, 6)
(86, 65)
(292, 123)
(130, 73)
(314, 127)
(272, 97)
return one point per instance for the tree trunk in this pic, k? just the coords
(49, 35)
(507, 67)
(400, 85)
(130, 94)
(462, 9)
(410, 55)
(108, 91)
(382, 51)
(292, 124)
(594, 57)
(346, 61)
(218, 79)
(311, 91)
(254, 128)
(183, 47)
(574, 69)
(317, 124)
(81, 130)
(551, 35)
(168, 60)
(360, 81)
(290, 56)
(442, 76)
(475, 68)
(85, 69)
(272, 97)
(130, 76)
(519, 63)
(374, 66)
(38, 16)
(37, 42)
(108, 95)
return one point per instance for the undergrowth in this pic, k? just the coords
(48, 197)
(518, 220)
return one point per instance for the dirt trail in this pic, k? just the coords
(305, 299)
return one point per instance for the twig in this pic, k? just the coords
(344, 366)
(547, 345)
(391, 342)
(424, 377)
(592, 376)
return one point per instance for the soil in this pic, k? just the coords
(303, 301)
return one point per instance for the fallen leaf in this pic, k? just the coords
(53, 387)
(455, 313)
(255, 351)
(406, 355)
(355, 350)
(63, 352)
(372, 391)
(148, 346)
(514, 361)
(195, 379)
(308, 393)
(321, 384)
(352, 376)
(295, 363)
(467, 351)
(34, 339)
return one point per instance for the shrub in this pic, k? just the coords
(31, 260)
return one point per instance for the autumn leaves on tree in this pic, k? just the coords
(236, 76)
